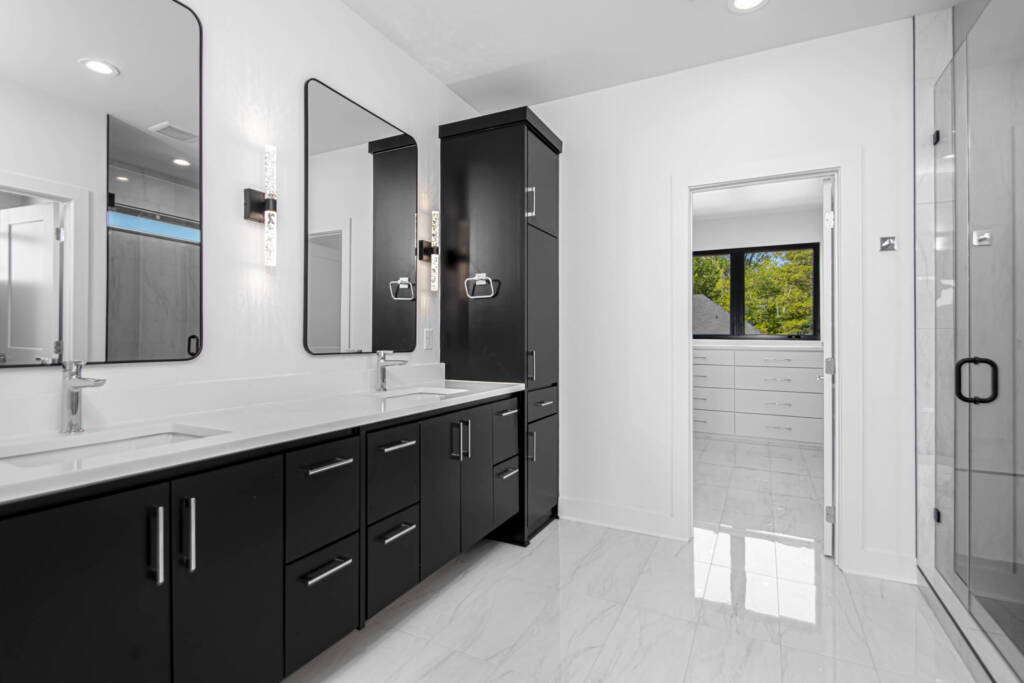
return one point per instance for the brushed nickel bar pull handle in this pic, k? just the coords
(511, 411)
(158, 568)
(531, 374)
(545, 404)
(777, 403)
(337, 463)
(700, 357)
(699, 398)
(403, 529)
(778, 428)
(705, 377)
(510, 473)
(456, 454)
(469, 439)
(189, 557)
(703, 422)
(532, 191)
(409, 443)
(533, 441)
(330, 569)
(777, 360)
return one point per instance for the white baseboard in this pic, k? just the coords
(624, 518)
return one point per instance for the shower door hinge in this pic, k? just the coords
(58, 234)
(830, 366)
(830, 514)
(830, 220)
(937, 515)
(936, 136)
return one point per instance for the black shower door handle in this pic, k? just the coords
(958, 383)
(193, 345)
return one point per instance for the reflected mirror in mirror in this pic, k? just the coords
(360, 228)
(100, 182)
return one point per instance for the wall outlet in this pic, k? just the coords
(428, 338)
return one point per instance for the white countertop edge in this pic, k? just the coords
(741, 345)
(245, 428)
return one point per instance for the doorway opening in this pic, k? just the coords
(763, 373)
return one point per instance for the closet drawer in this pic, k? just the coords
(541, 403)
(507, 476)
(705, 398)
(780, 403)
(778, 427)
(779, 379)
(392, 470)
(392, 558)
(321, 601)
(780, 359)
(720, 376)
(712, 357)
(505, 419)
(713, 422)
(321, 495)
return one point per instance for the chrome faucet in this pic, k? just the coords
(71, 395)
(382, 369)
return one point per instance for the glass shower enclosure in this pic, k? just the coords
(979, 327)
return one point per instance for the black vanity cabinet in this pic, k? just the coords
(85, 597)
(499, 306)
(227, 543)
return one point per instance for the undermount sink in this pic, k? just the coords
(425, 392)
(79, 451)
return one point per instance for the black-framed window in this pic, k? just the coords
(769, 292)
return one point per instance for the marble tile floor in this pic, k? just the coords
(741, 602)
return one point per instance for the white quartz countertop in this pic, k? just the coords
(24, 474)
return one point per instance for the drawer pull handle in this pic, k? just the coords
(509, 412)
(545, 404)
(699, 398)
(700, 357)
(778, 428)
(508, 474)
(403, 529)
(335, 464)
(409, 443)
(777, 403)
(330, 569)
(778, 379)
(701, 376)
(777, 360)
(703, 422)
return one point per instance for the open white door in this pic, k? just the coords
(30, 285)
(828, 353)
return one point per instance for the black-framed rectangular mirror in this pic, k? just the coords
(360, 228)
(100, 182)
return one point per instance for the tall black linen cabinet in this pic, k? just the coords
(499, 296)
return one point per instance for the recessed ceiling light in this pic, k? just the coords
(746, 6)
(98, 66)
(182, 162)
(121, 178)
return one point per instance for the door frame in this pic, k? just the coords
(828, 274)
(76, 266)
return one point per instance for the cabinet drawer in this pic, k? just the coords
(713, 422)
(392, 470)
(720, 376)
(780, 359)
(712, 357)
(541, 403)
(321, 594)
(393, 558)
(505, 418)
(705, 398)
(778, 427)
(321, 496)
(506, 490)
(779, 379)
(787, 403)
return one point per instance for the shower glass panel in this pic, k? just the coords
(979, 308)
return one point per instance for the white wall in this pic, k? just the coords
(631, 153)
(765, 228)
(257, 56)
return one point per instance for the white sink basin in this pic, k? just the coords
(87, 450)
(426, 392)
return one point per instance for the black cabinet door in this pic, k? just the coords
(394, 235)
(392, 558)
(82, 599)
(541, 309)
(228, 557)
(476, 486)
(442, 449)
(541, 471)
(542, 185)
(482, 199)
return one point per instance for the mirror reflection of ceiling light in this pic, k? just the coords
(121, 178)
(746, 6)
(98, 66)
(182, 162)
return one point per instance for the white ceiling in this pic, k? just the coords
(498, 55)
(769, 197)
